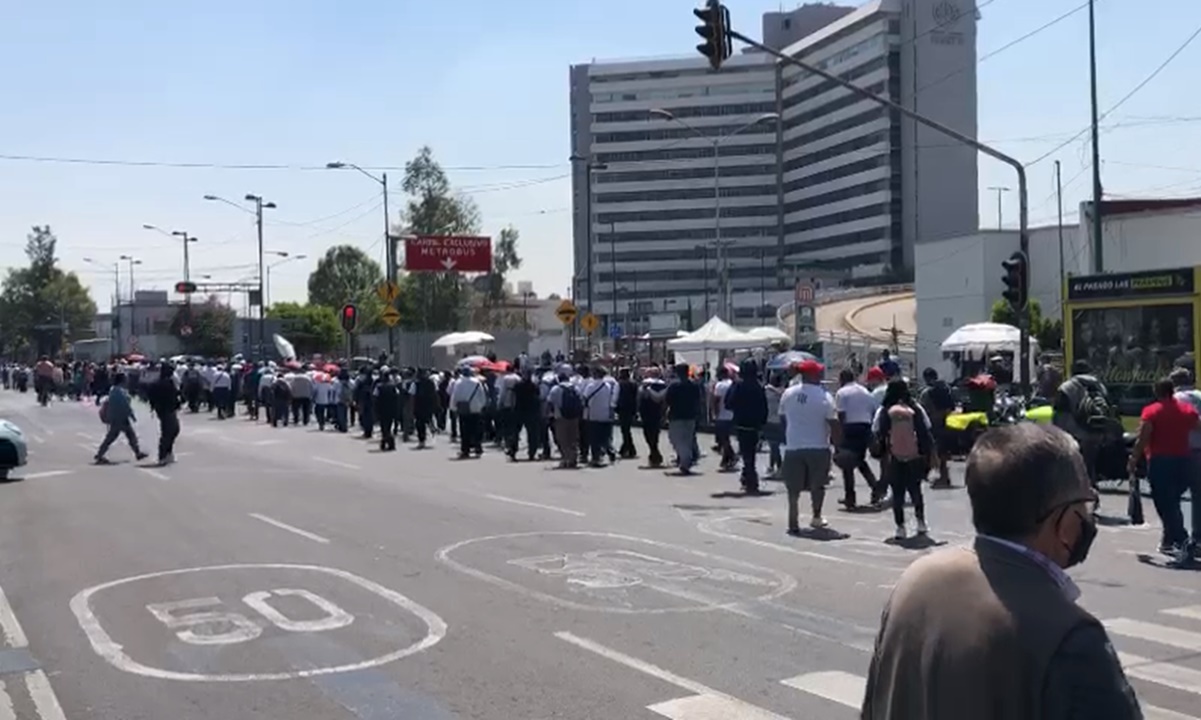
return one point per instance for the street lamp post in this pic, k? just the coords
(187, 240)
(287, 258)
(115, 327)
(1000, 190)
(133, 299)
(389, 245)
(589, 168)
(259, 206)
(723, 300)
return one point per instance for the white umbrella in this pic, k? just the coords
(470, 337)
(283, 347)
(769, 334)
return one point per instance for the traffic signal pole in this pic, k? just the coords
(1023, 200)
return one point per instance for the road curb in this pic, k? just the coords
(849, 318)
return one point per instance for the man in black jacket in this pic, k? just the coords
(164, 402)
(748, 401)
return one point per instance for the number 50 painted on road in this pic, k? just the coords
(205, 627)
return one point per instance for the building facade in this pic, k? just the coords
(719, 190)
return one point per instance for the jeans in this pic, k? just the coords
(905, 476)
(600, 435)
(1169, 478)
(651, 429)
(471, 434)
(168, 430)
(682, 434)
(626, 422)
(116, 430)
(748, 448)
(1195, 501)
(722, 430)
(567, 434)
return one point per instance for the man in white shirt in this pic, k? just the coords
(856, 408)
(810, 426)
(223, 398)
(600, 397)
(723, 418)
(469, 400)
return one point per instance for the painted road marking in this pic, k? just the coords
(154, 473)
(781, 584)
(44, 700)
(841, 687)
(707, 528)
(47, 474)
(6, 704)
(1161, 673)
(1192, 612)
(526, 503)
(1183, 639)
(45, 703)
(14, 635)
(336, 463)
(705, 702)
(86, 446)
(85, 436)
(290, 528)
(114, 653)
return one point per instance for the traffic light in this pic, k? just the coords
(1017, 281)
(717, 45)
(350, 317)
(184, 287)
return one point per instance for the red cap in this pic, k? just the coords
(809, 367)
(875, 373)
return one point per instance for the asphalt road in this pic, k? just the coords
(295, 574)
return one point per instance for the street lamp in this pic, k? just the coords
(259, 205)
(187, 240)
(389, 247)
(133, 301)
(287, 258)
(589, 167)
(723, 300)
(116, 310)
(1000, 190)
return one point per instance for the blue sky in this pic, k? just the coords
(301, 83)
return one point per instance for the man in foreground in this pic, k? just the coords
(992, 631)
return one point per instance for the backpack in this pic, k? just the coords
(903, 443)
(570, 405)
(938, 397)
(1094, 412)
(103, 410)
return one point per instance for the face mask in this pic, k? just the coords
(1078, 553)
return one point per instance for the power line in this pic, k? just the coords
(249, 166)
(1006, 46)
(1154, 73)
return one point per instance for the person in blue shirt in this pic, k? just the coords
(119, 416)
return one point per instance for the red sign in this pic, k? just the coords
(448, 253)
(804, 293)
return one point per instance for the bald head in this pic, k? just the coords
(1016, 474)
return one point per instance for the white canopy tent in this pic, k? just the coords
(716, 334)
(770, 334)
(976, 339)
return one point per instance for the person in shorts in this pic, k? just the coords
(810, 428)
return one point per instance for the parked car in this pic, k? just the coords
(14, 451)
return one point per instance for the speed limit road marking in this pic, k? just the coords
(241, 618)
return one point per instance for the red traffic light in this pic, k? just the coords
(350, 317)
(185, 288)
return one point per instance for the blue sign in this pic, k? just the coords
(615, 331)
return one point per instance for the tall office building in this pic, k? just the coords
(811, 179)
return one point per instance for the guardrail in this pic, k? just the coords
(825, 296)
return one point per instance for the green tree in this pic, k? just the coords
(504, 260)
(437, 301)
(1050, 335)
(41, 307)
(347, 275)
(310, 328)
(205, 329)
(1002, 313)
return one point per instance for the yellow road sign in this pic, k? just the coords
(390, 316)
(566, 312)
(589, 323)
(388, 292)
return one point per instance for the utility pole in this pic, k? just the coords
(259, 204)
(1063, 271)
(589, 168)
(1000, 190)
(1019, 169)
(1098, 244)
(133, 297)
(187, 240)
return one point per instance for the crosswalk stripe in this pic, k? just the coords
(6, 705)
(1161, 673)
(711, 707)
(1192, 612)
(1162, 634)
(841, 687)
(1150, 712)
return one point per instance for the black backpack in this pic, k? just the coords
(570, 405)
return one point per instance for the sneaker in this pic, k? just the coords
(922, 529)
(901, 534)
(818, 522)
(141, 456)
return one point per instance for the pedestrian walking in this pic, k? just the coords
(904, 443)
(748, 406)
(684, 401)
(164, 399)
(993, 630)
(1163, 438)
(117, 413)
(386, 397)
(810, 428)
